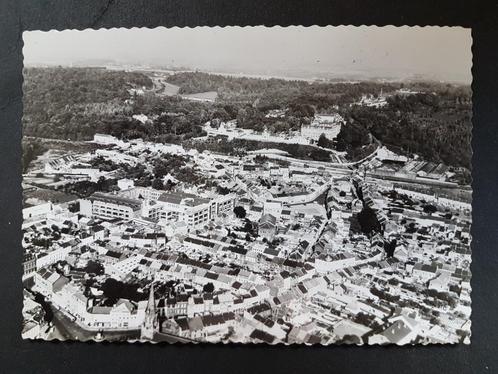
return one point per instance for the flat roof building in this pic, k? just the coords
(110, 206)
(191, 209)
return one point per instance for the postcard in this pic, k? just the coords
(278, 185)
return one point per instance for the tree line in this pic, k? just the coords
(435, 126)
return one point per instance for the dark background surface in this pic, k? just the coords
(18, 356)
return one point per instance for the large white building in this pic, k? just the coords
(330, 125)
(58, 252)
(110, 206)
(68, 298)
(37, 211)
(107, 139)
(191, 209)
(142, 193)
(158, 205)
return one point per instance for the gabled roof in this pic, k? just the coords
(267, 219)
(262, 336)
(397, 331)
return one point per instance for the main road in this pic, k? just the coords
(67, 329)
(70, 330)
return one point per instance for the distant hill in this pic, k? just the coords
(75, 103)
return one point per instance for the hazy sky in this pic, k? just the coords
(442, 53)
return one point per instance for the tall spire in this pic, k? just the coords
(150, 321)
(151, 304)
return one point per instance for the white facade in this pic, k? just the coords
(330, 125)
(107, 139)
(274, 208)
(56, 255)
(122, 316)
(35, 211)
(109, 206)
(125, 184)
(192, 210)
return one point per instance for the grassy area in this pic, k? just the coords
(49, 195)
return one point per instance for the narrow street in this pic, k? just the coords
(70, 330)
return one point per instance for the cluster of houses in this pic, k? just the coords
(270, 253)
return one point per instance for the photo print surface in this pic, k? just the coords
(295, 185)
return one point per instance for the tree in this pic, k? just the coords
(114, 290)
(239, 211)
(324, 142)
(94, 267)
(157, 184)
(208, 288)
(390, 247)
(248, 226)
(368, 221)
(74, 207)
(364, 319)
(30, 151)
(429, 208)
(222, 190)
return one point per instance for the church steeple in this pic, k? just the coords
(151, 304)
(150, 319)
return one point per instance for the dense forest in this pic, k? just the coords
(76, 103)
(273, 93)
(242, 146)
(435, 126)
(434, 123)
(69, 103)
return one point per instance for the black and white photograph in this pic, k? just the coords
(275, 185)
